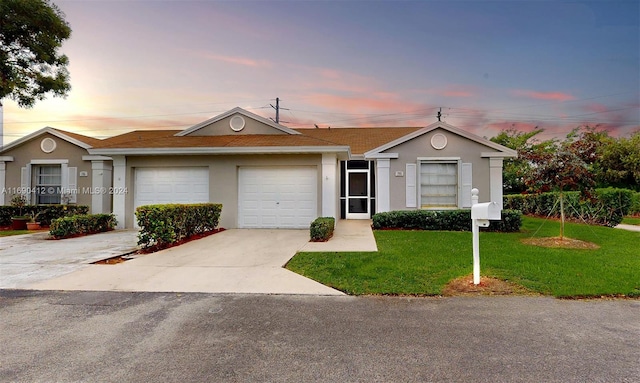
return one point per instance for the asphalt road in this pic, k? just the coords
(170, 337)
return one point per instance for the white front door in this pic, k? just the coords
(277, 197)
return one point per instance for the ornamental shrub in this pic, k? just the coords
(607, 206)
(162, 225)
(322, 229)
(71, 226)
(445, 220)
(45, 213)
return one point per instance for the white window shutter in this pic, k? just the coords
(411, 185)
(72, 180)
(466, 178)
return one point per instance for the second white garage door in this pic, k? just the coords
(278, 197)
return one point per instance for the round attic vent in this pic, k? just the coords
(236, 123)
(48, 145)
(439, 141)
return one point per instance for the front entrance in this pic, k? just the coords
(357, 196)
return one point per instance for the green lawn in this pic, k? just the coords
(631, 221)
(6, 233)
(423, 262)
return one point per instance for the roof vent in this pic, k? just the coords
(237, 123)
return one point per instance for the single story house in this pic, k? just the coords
(266, 175)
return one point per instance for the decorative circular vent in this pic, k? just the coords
(48, 145)
(236, 123)
(439, 141)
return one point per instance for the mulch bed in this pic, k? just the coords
(563, 243)
(488, 286)
(153, 249)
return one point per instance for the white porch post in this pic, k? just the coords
(329, 185)
(3, 175)
(120, 181)
(495, 180)
(100, 180)
(382, 180)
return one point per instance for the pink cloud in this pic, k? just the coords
(550, 96)
(244, 61)
(457, 91)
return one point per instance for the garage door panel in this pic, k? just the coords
(284, 197)
(171, 185)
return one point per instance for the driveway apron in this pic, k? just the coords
(232, 261)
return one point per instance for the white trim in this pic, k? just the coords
(383, 196)
(381, 156)
(329, 184)
(497, 154)
(95, 158)
(442, 159)
(6, 158)
(504, 151)
(52, 131)
(236, 110)
(225, 150)
(367, 172)
(48, 162)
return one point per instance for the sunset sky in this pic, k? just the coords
(488, 64)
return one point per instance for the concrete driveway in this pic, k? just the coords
(31, 258)
(232, 261)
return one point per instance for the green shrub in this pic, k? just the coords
(322, 229)
(445, 220)
(162, 225)
(635, 204)
(607, 207)
(45, 213)
(71, 226)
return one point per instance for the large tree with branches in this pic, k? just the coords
(31, 66)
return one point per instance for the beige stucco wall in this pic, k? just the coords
(30, 150)
(223, 177)
(222, 128)
(457, 147)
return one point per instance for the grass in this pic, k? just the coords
(631, 220)
(6, 233)
(423, 262)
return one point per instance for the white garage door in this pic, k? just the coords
(279, 197)
(171, 185)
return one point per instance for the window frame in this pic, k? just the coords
(439, 160)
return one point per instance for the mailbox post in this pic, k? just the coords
(481, 213)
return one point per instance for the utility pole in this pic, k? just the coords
(277, 108)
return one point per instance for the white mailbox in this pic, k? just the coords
(485, 211)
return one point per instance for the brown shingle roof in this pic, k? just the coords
(167, 139)
(86, 139)
(360, 140)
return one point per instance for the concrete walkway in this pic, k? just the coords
(233, 261)
(624, 226)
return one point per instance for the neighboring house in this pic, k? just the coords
(52, 166)
(269, 176)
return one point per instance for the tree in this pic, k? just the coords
(619, 162)
(31, 32)
(515, 169)
(559, 170)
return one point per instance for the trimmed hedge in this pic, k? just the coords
(444, 220)
(72, 226)
(607, 208)
(635, 204)
(322, 229)
(46, 213)
(162, 225)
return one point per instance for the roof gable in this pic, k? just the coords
(235, 122)
(500, 150)
(73, 138)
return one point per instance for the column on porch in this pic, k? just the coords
(3, 179)
(329, 185)
(120, 183)
(495, 179)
